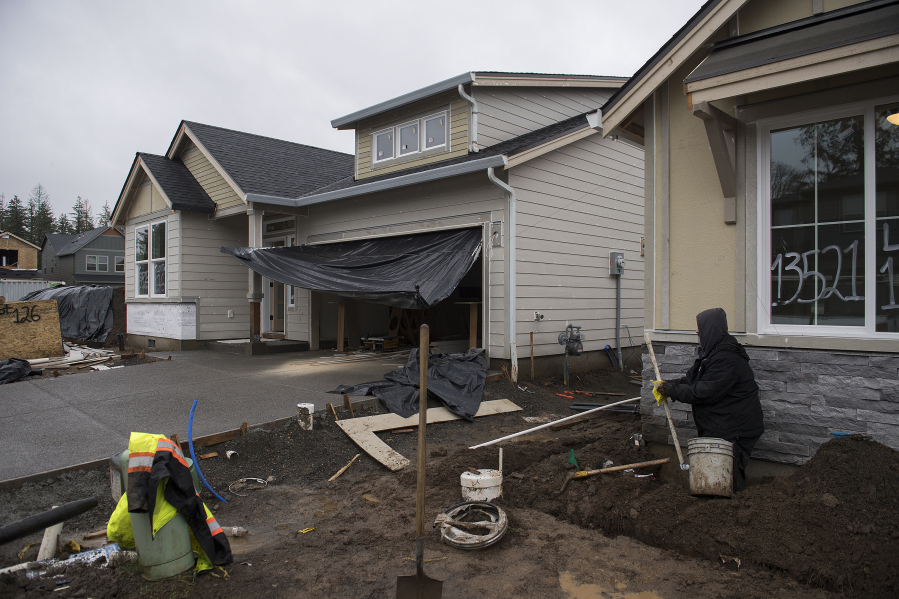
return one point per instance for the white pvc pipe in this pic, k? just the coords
(554, 423)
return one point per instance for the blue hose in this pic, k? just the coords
(193, 456)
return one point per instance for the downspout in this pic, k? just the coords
(511, 265)
(474, 118)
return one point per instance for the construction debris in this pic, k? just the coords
(76, 356)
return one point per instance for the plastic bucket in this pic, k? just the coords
(486, 486)
(711, 466)
(304, 415)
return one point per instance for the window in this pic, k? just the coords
(103, 263)
(120, 263)
(281, 225)
(90, 263)
(833, 202)
(149, 258)
(428, 133)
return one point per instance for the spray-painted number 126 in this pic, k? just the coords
(31, 315)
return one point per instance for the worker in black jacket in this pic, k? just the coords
(721, 388)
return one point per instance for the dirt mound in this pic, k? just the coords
(834, 523)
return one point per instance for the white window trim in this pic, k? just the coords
(105, 262)
(149, 261)
(763, 218)
(446, 138)
(374, 145)
(116, 266)
(87, 266)
(421, 138)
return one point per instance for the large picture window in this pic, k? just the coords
(149, 259)
(832, 184)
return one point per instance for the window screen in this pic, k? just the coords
(409, 139)
(435, 132)
(384, 146)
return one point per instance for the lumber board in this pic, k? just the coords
(30, 330)
(362, 430)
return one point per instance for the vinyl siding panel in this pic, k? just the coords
(209, 178)
(575, 205)
(504, 113)
(218, 280)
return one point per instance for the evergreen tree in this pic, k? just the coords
(63, 225)
(16, 217)
(105, 215)
(2, 212)
(82, 219)
(40, 214)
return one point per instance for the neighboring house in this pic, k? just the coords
(480, 150)
(772, 155)
(95, 257)
(15, 252)
(179, 209)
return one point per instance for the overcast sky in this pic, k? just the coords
(87, 84)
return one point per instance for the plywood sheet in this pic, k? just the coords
(362, 430)
(30, 330)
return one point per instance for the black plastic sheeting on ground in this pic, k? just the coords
(14, 369)
(455, 379)
(406, 271)
(85, 312)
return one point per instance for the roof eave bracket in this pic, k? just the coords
(721, 129)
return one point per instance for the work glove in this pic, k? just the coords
(657, 393)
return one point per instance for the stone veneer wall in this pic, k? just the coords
(805, 395)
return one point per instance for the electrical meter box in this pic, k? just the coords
(615, 262)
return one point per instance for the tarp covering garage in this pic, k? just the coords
(406, 271)
(85, 312)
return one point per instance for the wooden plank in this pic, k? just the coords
(362, 430)
(30, 330)
(211, 454)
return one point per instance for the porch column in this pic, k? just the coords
(254, 284)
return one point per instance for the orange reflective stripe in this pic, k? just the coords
(141, 454)
(139, 469)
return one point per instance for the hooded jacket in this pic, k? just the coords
(720, 385)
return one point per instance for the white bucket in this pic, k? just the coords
(486, 486)
(711, 466)
(304, 415)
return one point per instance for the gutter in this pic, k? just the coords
(474, 118)
(385, 184)
(511, 266)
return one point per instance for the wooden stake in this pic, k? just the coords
(174, 439)
(532, 356)
(344, 469)
(206, 456)
(348, 405)
(655, 366)
(333, 411)
(243, 429)
(143, 354)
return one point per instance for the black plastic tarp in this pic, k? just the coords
(14, 369)
(406, 271)
(85, 312)
(455, 379)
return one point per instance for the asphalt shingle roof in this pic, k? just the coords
(76, 242)
(509, 148)
(178, 184)
(58, 241)
(267, 166)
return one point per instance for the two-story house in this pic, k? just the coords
(515, 158)
(95, 257)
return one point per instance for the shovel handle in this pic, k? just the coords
(423, 351)
(655, 366)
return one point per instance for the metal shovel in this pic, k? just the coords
(420, 586)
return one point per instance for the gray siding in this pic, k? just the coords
(504, 113)
(575, 205)
(217, 279)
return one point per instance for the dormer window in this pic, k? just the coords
(412, 137)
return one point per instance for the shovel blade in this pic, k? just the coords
(418, 586)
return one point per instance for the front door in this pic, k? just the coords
(277, 315)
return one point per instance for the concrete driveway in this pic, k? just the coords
(57, 422)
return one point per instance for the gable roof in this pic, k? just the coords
(57, 241)
(7, 233)
(268, 166)
(693, 35)
(178, 185)
(493, 156)
(76, 242)
(478, 78)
